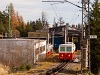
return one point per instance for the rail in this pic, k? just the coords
(56, 70)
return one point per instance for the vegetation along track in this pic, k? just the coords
(54, 71)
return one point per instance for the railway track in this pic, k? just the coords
(56, 70)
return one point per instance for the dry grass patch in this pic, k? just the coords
(41, 66)
(78, 52)
(3, 69)
(48, 62)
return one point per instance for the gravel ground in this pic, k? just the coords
(73, 68)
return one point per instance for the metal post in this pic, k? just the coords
(89, 38)
(85, 22)
(67, 31)
(82, 41)
(9, 20)
(65, 34)
(34, 52)
(53, 33)
(48, 42)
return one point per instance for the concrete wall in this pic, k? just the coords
(16, 52)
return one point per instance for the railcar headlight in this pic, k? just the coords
(69, 55)
(62, 55)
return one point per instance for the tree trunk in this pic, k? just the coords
(99, 69)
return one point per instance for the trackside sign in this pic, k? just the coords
(93, 36)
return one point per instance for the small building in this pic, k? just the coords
(40, 47)
(40, 35)
(16, 52)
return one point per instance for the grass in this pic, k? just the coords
(40, 67)
(3, 69)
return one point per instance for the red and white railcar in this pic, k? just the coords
(67, 51)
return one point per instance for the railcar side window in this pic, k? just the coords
(68, 49)
(62, 48)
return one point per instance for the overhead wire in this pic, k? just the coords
(57, 10)
(58, 15)
(73, 20)
(54, 10)
(68, 2)
(73, 17)
(76, 16)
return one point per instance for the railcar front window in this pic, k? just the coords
(68, 49)
(62, 48)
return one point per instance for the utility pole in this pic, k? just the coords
(89, 37)
(53, 36)
(9, 28)
(48, 49)
(66, 32)
(85, 47)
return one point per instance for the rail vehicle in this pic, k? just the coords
(67, 51)
(58, 39)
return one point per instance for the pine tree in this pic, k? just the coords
(39, 25)
(95, 43)
(3, 22)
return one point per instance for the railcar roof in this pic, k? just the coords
(66, 44)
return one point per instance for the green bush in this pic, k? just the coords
(14, 69)
(28, 67)
(22, 68)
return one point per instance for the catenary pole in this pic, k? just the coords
(89, 38)
(9, 28)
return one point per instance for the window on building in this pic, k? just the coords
(43, 48)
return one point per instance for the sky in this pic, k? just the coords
(32, 9)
